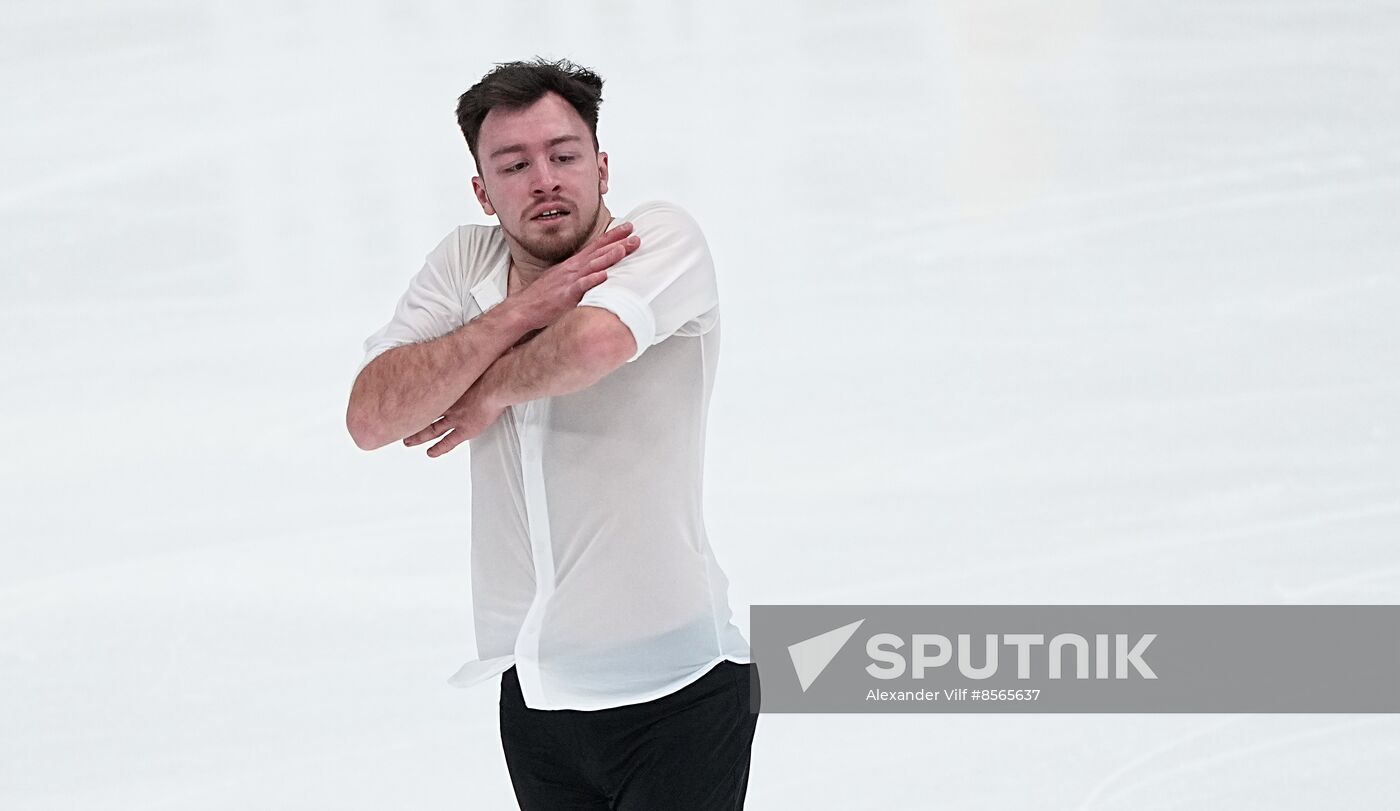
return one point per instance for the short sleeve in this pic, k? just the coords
(667, 286)
(432, 305)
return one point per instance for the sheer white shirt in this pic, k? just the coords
(591, 571)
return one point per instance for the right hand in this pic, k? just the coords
(558, 289)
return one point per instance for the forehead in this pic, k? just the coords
(549, 117)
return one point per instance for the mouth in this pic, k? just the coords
(552, 215)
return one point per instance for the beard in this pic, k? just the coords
(555, 248)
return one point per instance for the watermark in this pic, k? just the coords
(1076, 658)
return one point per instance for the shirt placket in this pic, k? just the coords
(531, 418)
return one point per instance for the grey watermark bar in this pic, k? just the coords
(1077, 658)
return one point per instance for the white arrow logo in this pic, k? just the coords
(811, 656)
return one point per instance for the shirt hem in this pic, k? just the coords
(477, 671)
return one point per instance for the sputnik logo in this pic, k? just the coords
(811, 656)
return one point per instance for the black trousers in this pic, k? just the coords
(686, 750)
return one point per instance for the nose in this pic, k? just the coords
(542, 180)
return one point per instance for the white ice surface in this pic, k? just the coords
(1025, 302)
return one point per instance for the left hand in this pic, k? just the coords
(465, 419)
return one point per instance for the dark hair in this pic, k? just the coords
(514, 85)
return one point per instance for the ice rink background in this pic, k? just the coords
(1024, 302)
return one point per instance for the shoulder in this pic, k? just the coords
(472, 245)
(664, 219)
(467, 253)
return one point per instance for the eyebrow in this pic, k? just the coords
(505, 150)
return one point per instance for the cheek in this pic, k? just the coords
(507, 197)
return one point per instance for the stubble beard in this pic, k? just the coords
(552, 252)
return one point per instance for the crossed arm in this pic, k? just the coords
(578, 350)
(410, 386)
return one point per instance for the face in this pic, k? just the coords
(539, 159)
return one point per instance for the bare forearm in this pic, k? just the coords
(410, 386)
(573, 354)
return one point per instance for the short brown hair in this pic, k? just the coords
(514, 85)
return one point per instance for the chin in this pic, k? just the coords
(553, 251)
(556, 248)
(559, 248)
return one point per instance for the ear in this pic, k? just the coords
(602, 173)
(479, 189)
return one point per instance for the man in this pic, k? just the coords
(578, 359)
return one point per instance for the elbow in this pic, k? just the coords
(364, 441)
(363, 430)
(360, 433)
(610, 344)
(361, 421)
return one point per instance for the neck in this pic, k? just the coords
(525, 268)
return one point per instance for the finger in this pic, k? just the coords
(419, 437)
(578, 263)
(612, 255)
(630, 244)
(452, 440)
(619, 231)
(610, 236)
(604, 260)
(590, 281)
(433, 431)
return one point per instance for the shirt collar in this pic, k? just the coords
(491, 290)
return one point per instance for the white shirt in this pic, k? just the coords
(591, 570)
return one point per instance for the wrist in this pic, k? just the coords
(510, 319)
(488, 391)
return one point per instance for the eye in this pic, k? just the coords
(515, 167)
(566, 158)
